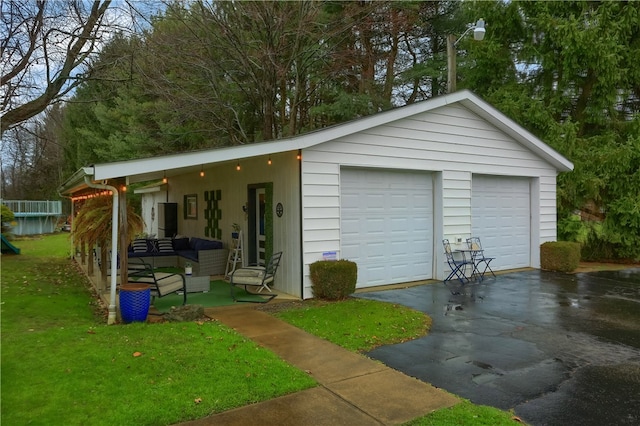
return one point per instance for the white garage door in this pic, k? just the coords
(387, 224)
(500, 211)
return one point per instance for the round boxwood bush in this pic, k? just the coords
(333, 279)
(562, 256)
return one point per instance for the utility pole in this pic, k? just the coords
(451, 63)
(478, 34)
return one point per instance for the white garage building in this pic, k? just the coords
(382, 191)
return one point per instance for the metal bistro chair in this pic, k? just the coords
(478, 257)
(457, 266)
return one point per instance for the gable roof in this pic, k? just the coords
(145, 169)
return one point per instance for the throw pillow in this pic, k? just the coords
(181, 244)
(165, 246)
(139, 245)
(152, 246)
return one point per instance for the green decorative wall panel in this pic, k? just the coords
(213, 213)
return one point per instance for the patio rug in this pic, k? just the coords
(218, 295)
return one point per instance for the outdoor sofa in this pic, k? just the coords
(207, 257)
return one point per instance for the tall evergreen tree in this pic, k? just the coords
(570, 80)
(210, 74)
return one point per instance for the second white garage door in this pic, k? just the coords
(500, 212)
(387, 224)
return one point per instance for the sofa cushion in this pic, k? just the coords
(202, 244)
(161, 254)
(181, 244)
(139, 245)
(189, 254)
(214, 245)
(165, 245)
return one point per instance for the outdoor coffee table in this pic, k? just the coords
(197, 284)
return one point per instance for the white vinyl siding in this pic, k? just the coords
(548, 209)
(456, 203)
(450, 141)
(320, 211)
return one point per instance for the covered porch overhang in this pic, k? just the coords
(114, 177)
(157, 168)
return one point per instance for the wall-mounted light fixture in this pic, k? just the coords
(269, 161)
(201, 171)
(299, 156)
(238, 166)
(123, 188)
(164, 177)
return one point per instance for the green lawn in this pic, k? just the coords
(467, 414)
(62, 364)
(363, 324)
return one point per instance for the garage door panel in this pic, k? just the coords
(394, 230)
(350, 227)
(400, 251)
(372, 225)
(400, 225)
(350, 251)
(399, 273)
(501, 218)
(375, 274)
(375, 249)
(422, 223)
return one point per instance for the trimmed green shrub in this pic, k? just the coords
(563, 256)
(333, 279)
(6, 218)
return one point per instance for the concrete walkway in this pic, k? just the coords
(354, 389)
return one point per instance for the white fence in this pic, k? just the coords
(24, 208)
(34, 217)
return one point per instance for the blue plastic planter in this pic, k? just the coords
(134, 302)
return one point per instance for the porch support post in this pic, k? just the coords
(114, 246)
(124, 234)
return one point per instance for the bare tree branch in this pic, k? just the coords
(45, 28)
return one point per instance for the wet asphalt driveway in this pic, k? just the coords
(559, 349)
